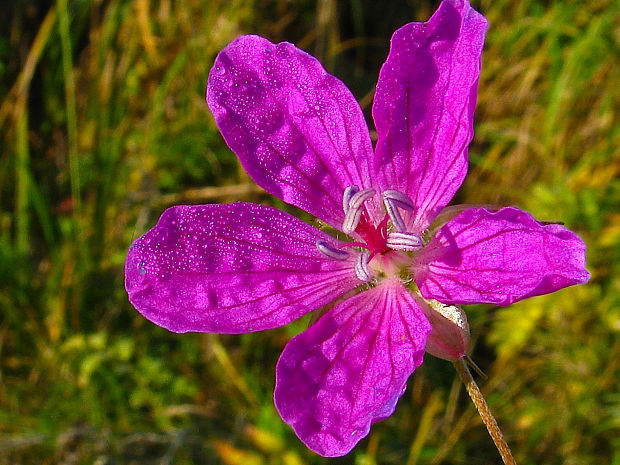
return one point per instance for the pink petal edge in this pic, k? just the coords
(297, 130)
(232, 269)
(349, 369)
(424, 108)
(499, 258)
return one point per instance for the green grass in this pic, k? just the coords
(104, 125)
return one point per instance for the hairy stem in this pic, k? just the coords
(485, 413)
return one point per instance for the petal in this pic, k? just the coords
(349, 369)
(297, 130)
(232, 269)
(424, 108)
(499, 258)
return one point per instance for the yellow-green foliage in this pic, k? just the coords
(104, 125)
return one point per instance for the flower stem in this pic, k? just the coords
(485, 413)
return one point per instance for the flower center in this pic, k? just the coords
(379, 239)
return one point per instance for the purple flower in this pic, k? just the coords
(394, 289)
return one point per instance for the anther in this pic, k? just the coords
(351, 220)
(330, 251)
(393, 200)
(360, 197)
(361, 267)
(398, 198)
(404, 241)
(346, 197)
(353, 215)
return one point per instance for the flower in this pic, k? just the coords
(395, 288)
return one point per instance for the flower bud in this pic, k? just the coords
(449, 338)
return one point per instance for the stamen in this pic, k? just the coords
(404, 241)
(393, 200)
(393, 213)
(361, 268)
(351, 220)
(398, 198)
(346, 197)
(353, 215)
(360, 197)
(331, 251)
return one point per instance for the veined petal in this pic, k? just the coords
(499, 258)
(297, 130)
(350, 368)
(424, 108)
(232, 269)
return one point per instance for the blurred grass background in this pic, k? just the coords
(104, 125)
